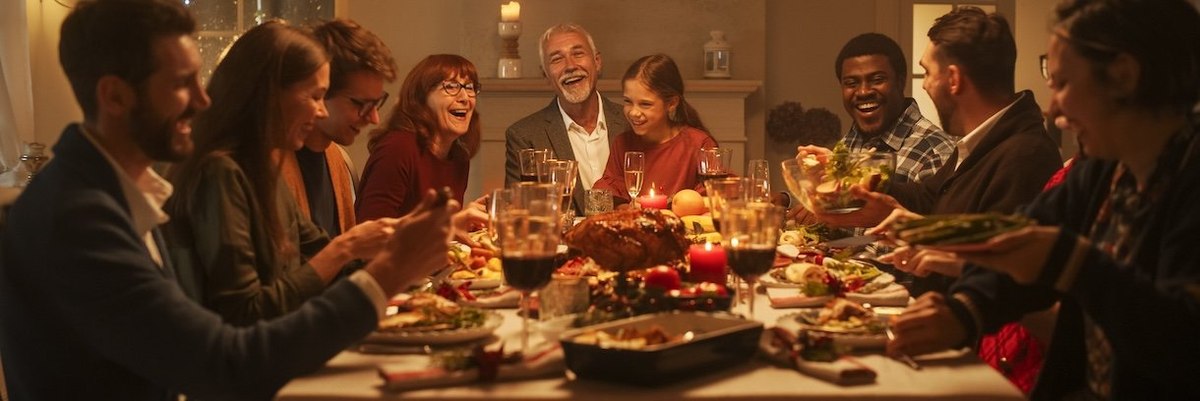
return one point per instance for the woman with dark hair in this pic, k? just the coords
(662, 125)
(1115, 242)
(428, 141)
(239, 243)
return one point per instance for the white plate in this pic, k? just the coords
(791, 322)
(437, 337)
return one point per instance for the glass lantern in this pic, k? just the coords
(716, 56)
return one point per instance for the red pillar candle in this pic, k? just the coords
(652, 200)
(708, 263)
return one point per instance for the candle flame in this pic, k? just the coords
(651, 194)
(708, 246)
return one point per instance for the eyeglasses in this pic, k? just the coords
(453, 88)
(365, 106)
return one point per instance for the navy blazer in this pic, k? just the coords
(87, 314)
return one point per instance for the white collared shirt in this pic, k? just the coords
(145, 198)
(969, 142)
(591, 149)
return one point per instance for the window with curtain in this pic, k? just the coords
(16, 95)
(221, 21)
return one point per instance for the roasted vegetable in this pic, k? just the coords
(957, 228)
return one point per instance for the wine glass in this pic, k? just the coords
(529, 239)
(751, 232)
(713, 163)
(530, 159)
(635, 171)
(562, 172)
(759, 172)
(500, 200)
(722, 191)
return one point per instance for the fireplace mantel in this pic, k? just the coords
(721, 104)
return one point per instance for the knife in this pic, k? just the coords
(851, 242)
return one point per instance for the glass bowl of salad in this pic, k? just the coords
(822, 181)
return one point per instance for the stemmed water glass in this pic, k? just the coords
(759, 173)
(529, 236)
(635, 171)
(563, 173)
(751, 232)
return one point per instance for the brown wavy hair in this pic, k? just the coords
(245, 121)
(412, 114)
(659, 73)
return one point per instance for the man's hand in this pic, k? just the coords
(878, 207)
(926, 326)
(418, 246)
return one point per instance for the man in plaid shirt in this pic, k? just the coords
(873, 70)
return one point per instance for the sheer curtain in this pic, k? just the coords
(16, 91)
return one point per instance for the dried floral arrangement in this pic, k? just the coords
(790, 123)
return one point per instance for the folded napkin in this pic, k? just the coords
(542, 362)
(783, 347)
(892, 295)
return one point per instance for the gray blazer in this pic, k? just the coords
(545, 130)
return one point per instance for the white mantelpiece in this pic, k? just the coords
(721, 104)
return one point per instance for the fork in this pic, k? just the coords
(907, 360)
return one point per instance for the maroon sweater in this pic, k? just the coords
(670, 166)
(399, 171)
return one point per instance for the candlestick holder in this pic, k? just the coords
(510, 58)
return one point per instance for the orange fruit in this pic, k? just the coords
(688, 203)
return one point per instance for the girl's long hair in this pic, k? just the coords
(245, 121)
(659, 73)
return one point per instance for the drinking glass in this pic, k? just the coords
(713, 163)
(529, 239)
(759, 173)
(721, 192)
(751, 232)
(500, 200)
(635, 171)
(596, 201)
(529, 159)
(563, 173)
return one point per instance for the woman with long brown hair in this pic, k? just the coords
(662, 125)
(236, 237)
(428, 141)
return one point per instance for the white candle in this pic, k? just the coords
(510, 12)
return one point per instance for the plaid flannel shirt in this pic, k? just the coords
(921, 148)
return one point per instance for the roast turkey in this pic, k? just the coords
(630, 239)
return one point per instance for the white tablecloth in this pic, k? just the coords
(353, 376)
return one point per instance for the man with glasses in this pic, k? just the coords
(578, 123)
(321, 175)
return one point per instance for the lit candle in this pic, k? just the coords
(652, 200)
(510, 12)
(708, 263)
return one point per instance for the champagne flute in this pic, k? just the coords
(529, 238)
(751, 232)
(635, 171)
(759, 172)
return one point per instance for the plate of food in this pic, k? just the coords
(475, 268)
(426, 318)
(847, 323)
(957, 232)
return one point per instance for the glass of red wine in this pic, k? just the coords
(529, 237)
(751, 233)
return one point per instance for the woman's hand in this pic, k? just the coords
(473, 218)
(364, 240)
(926, 326)
(922, 262)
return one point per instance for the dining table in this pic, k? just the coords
(961, 376)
